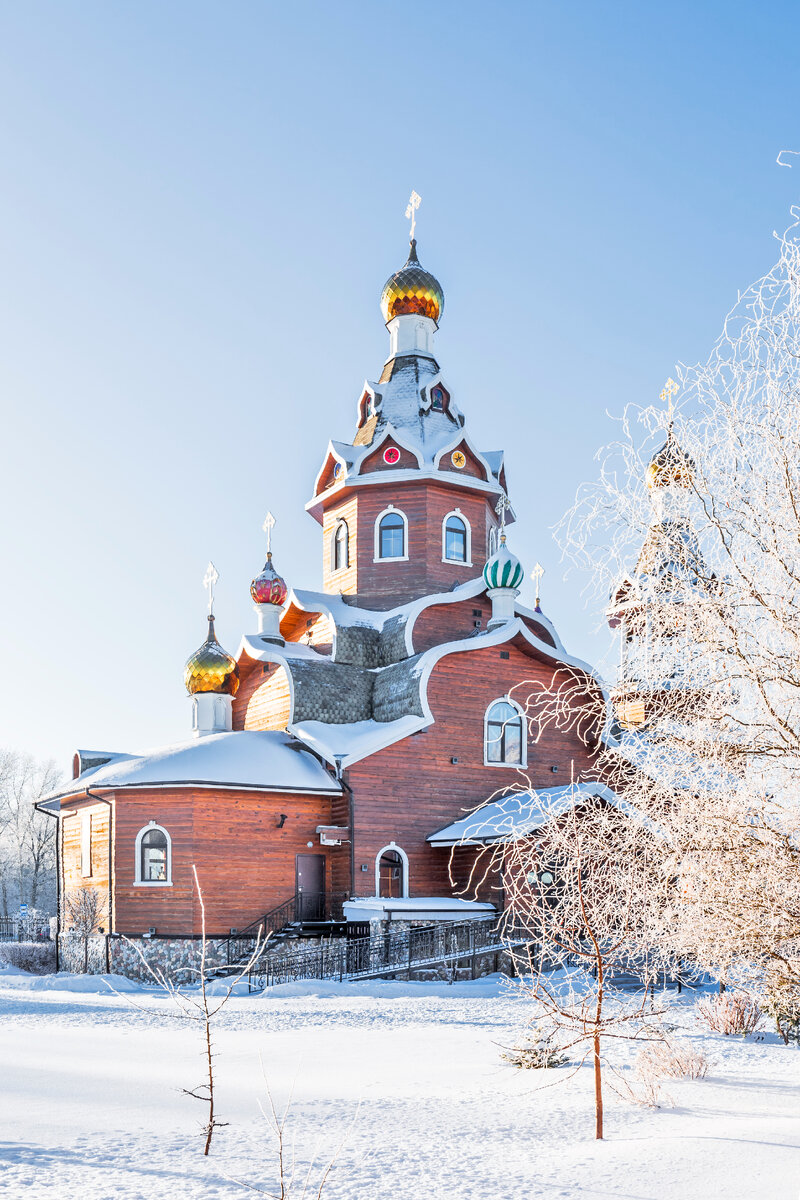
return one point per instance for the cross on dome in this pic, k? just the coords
(501, 508)
(536, 576)
(411, 211)
(666, 394)
(209, 583)
(268, 526)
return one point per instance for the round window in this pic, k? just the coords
(391, 455)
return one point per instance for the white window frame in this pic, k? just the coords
(377, 547)
(137, 877)
(398, 850)
(522, 764)
(457, 562)
(334, 570)
(86, 845)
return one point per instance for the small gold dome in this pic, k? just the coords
(670, 466)
(211, 669)
(411, 291)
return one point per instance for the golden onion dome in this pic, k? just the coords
(670, 466)
(412, 291)
(211, 669)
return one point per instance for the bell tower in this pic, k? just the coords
(408, 507)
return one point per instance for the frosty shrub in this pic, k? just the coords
(730, 1013)
(37, 957)
(670, 1060)
(782, 1003)
(537, 1051)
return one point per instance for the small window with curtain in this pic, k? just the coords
(392, 536)
(155, 857)
(504, 735)
(455, 540)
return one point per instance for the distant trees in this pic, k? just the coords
(27, 837)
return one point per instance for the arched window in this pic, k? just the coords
(341, 547)
(439, 398)
(456, 538)
(391, 873)
(505, 741)
(153, 857)
(391, 535)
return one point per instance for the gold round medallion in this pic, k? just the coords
(459, 459)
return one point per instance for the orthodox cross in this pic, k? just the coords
(411, 211)
(209, 583)
(536, 576)
(665, 396)
(269, 522)
(503, 504)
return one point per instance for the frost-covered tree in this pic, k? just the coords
(27, 837)
(693, 531)
(588, 894)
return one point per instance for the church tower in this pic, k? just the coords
(408, 508)
(656, 666)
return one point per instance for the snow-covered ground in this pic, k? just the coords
(410, 1074)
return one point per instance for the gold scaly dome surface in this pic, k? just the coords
(412, 290)
(211, 669)
(670, 466)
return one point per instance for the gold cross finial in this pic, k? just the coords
(209, 583)
(411, 211)
(269, 522)
(666, 394)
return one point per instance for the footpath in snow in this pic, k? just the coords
(410, 1074)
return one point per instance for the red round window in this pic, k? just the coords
(391, 455)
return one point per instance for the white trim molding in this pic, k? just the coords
(393, 846)
(398, 557)
(137, 879)
(461, 562)
(523, 762)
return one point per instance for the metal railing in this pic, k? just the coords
(386, 953)
(298, 909)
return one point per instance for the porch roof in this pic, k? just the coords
(520, 813)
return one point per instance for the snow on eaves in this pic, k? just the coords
(349, 743)
(248, 759)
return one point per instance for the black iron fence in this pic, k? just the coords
(24, 929)
(392, 951)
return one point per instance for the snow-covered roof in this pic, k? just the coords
(249, 759)
(417, 908)
(357, 739)
(521, 813)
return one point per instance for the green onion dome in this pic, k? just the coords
(503, 569)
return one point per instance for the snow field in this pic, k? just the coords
(91, 1106)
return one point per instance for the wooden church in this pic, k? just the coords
(333, 761)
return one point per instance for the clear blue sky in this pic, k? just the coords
(199, 205)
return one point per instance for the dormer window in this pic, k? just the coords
(439, 398)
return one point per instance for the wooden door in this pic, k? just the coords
(310, 882)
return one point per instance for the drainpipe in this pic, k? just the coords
(59, 840)
(103, 799)
(351, 818)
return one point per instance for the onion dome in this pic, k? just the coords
(211, 669)
(503, 569)
(412, 291)
(670, 466)
(269, 587)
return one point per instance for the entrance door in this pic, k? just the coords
(310, 882)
